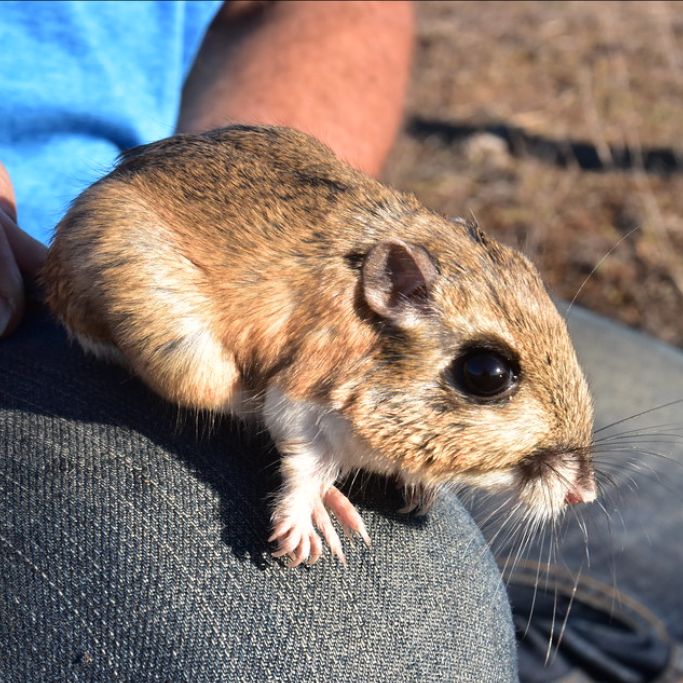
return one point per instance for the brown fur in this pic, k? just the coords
(243, 249)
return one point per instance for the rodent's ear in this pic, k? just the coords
(397, 278)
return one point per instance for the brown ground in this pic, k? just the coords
(610, 74)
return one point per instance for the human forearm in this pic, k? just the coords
(337, 70)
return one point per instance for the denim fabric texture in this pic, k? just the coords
(133, 548)
(632, 538)
(635, 540)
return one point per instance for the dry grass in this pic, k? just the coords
(606, 73)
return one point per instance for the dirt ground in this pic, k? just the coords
(559, 127)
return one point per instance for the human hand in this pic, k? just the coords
(21, 257)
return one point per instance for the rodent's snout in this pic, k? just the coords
(581, 493)
(551, 479)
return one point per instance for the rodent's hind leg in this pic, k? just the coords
(118, 278)
(193, 370)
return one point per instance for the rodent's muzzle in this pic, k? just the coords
(566, 473)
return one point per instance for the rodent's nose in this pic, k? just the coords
(580, 494)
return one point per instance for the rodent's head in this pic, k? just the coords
(476, 379)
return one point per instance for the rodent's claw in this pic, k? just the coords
(299, 545)
(407, 508)
(342, 508)
(302, 552)
(287, 543)
(419, 499)
(316, 549)
(323, 522)
(284, 528)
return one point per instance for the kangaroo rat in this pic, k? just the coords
(248, 270)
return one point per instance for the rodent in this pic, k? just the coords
(248, 270)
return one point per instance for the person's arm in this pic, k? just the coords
(336, 70)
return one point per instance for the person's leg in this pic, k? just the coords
(637, 540)
(615, 571)
(132, 547)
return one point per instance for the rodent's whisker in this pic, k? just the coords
(497, 510)
(606, 481)
(624, 457)
(269, 466)
(661, 438)
(651, 474)
(634, 467)
(551, 555)
(646, 430)
(629, 450)
(608, 516)
(511, 517)
(595, 268)
(615, 496)
(649, 429)
(520, 520)
(530, 530)
(640, 414)
(560, 635)
(538, 573)
(527, 537)
(581, 522)
(353, 481)
(491, 515)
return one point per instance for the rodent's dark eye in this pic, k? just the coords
(485, 374)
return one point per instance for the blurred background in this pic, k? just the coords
(558, 126)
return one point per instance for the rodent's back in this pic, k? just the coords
(252, 231)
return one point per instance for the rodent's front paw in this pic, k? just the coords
(298, 541)
(296, 536)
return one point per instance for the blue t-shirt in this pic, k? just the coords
(82, 81)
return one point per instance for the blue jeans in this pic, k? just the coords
(635, 540)
(132, 548)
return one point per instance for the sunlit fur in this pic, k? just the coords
(228, 265)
